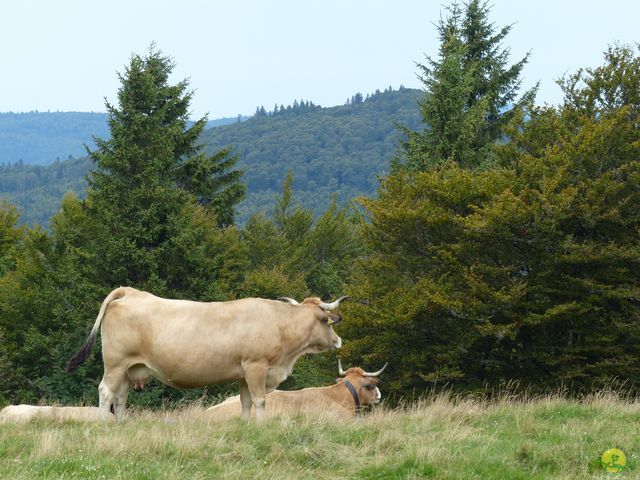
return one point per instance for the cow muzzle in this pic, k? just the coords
(377, 396)
(338, 343)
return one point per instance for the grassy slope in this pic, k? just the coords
(545, 438)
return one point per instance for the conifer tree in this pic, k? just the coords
(470, 91)
(154, 194)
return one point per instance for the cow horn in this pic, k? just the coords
(375, 374)
(288, 300)
(332, 306)
(340, 370)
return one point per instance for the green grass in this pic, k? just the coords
(439, 438)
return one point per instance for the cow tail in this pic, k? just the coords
(84, 352)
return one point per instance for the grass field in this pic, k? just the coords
(441, 438)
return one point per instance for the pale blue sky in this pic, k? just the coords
(64, 55)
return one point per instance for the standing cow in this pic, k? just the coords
(187, 344)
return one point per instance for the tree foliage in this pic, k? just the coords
(470, 92)
(154, 195)
(306, 256)
(527, 270)
(37, 190)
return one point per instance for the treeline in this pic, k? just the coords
(296, 108)
(504, 245)
(501, 246)
(304, 106)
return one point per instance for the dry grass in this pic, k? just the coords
(442, 437)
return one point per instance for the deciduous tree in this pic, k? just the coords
(525, 270)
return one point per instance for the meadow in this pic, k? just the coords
(440, 437)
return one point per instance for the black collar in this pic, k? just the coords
(354, 394)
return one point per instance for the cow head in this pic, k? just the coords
(365, 383)
(322, 334)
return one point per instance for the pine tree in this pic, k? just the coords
(470, 92)
(213, 181)
(150, 177)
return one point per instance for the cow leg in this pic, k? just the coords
(245, 399)
(106, 396)
(256, 376)
(108, 389)
(120, 399)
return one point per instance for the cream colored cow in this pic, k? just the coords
(26, 413)
(187, 344)
(356, 389)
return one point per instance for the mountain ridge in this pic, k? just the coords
(336, 152)
(41, 138)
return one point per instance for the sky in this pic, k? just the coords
(240, 54)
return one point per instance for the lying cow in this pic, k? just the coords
(187, 344)
(26, 413)
(355, 390)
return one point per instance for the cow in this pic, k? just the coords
(26, 413)
(187, 344)
(357, 389)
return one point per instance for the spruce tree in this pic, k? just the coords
(470, 92)
(154, 194)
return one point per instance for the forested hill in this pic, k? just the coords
(37, 190)
(41, 138)
(331, 151)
